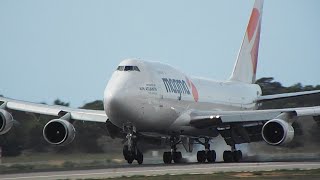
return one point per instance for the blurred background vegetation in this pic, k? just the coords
(26, 135)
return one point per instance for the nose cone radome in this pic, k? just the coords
(114, 100)
(119, 106)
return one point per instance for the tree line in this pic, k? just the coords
(26, 135)
(270, 86)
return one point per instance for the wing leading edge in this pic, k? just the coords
(219, 118)
(286, 95)
(76, 114)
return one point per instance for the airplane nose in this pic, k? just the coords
(113, 100)
(120, 102)
(118, 106)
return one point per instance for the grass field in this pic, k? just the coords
(279, 174)
(49, 161)
(56, 158)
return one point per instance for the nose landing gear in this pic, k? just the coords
(130, 150)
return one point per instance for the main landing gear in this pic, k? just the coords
(130, 150)
(173, 155)
(233, 155)
(207, 154)
(210, 155)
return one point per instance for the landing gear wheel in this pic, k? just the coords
(167, 157)
(129, 156)
(173, 155)
(130, 150)
(201, 156)
(130, 159)
(237, 156)
(211, 156)
(125, 152)
(228, 156)
(177, 157)
(139, 157)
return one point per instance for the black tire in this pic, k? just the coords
(167, 158)
(228, 156)
(201, 156)
(139, 157)
(130, 159)
(237, 156)
(125, 152)
(180, 155)
(177, 157)
(211, 156)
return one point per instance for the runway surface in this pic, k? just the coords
(152, 170)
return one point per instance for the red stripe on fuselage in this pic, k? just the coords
(194, 90)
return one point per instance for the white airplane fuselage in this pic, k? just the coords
(153, 97)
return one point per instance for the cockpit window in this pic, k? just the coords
(135, 68)
(120, 68)
(128, 68)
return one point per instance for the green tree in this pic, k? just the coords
(269, 86)
(60, 103)
(95, 105)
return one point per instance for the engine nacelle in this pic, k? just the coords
(277, 132)
(6, 121)
(59, 132)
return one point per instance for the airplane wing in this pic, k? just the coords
(210, 118)
(76, 114)
(238, 127)
(286, 95)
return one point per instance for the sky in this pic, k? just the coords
(68, 49)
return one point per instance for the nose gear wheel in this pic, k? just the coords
(130, 149)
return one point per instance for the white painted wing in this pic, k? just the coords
(286, 95)
(76, 114)
(216, 118)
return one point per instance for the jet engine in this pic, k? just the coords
(59, 132)
(277, 132)
(6, 121)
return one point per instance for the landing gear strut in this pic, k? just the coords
(232, 156)
(173, 155)
(207, 154)
(130, 150)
